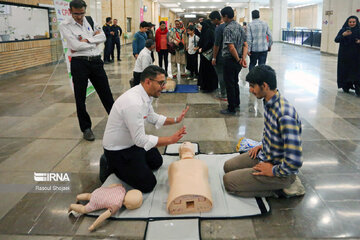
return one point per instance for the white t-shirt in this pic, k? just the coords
(126, 124)
(143, 60)
(193, 42)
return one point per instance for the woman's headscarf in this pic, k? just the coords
(355, 30)
(346, 24)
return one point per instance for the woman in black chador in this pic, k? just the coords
(208, 80)
(348, 72)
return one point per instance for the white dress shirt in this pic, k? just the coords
(126, 123)
(143, 60)
(73, 32)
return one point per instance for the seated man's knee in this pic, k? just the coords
(227, 167)
(147, 184)
(228, 184)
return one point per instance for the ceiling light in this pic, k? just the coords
(190, 16)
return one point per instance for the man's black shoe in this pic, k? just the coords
(227, 112)
(88, 135)
(119, 59)
(104, 169)
(106, 62)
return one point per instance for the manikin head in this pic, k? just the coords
(133, 199)
(186, 150)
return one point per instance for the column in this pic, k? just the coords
(240, 13)
(279, 9)
(164, 12)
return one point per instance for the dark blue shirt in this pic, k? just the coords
(219, 32)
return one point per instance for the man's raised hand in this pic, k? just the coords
(182, 115)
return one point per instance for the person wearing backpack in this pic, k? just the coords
(83, 36)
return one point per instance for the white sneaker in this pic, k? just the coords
(295, 189)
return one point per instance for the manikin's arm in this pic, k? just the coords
(100, 219)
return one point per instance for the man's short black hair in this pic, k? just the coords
(162, 22)
(143, 24)
(228, 12)
(260, 74)
(255, 14)
(151, 72)
(215, 15)
(149, 43)
(244, 23)
(108, 19)
(77, 4)
(191, 28)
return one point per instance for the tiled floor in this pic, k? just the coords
(42, 135)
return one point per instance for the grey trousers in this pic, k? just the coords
(220, 73)
(238, 178)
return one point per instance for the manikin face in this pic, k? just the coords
(78, 14)
(352, 22)
(163, 26)
(186, 148)
(257, 90)
(157, 85)
(115, 22)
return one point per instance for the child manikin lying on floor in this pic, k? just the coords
(189, 184)
(110, 198)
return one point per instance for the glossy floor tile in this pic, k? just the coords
(42, 135)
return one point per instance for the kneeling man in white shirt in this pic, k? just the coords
(128, 151)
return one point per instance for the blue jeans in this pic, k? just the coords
(257, 57)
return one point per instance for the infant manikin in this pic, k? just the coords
(189, 186)
(110, 198)
(170, 85)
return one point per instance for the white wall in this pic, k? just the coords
(341, 11)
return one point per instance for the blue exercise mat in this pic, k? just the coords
(183, 88)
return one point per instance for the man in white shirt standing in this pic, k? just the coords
(128, 151)
(143, 60)
(82, 39)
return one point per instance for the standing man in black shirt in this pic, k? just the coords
(109, 37)
(116, 39)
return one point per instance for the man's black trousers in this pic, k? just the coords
(134, 166)
(81, 71)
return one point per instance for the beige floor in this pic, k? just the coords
(42, 135)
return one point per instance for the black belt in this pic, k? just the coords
(88, 58)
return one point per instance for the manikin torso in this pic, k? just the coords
(189, 185)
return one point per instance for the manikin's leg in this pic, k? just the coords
(100, 219)
(77, 208)
(83, 197)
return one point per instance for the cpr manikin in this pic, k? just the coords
(170, 85)
(189, 186)
(110, 198)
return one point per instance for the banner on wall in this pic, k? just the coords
(62, 12)
(141, 14)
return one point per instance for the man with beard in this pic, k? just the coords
(128, 151)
